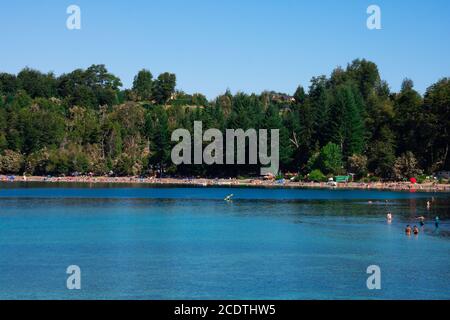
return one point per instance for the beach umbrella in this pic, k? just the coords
(413, 180)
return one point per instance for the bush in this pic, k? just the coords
(298, 178)
(11, 162)
(421, 179)
(317, 176)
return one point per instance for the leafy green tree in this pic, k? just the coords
(36, 162)
(58, 163)
(124, 165)
(300, 95)
(382, 154)
(225, 103)
(437, 125)
(379, 112)
(330, 159)
(365, 74)
(3, 127)
(406, 166)
(199, 99)
(164, 87)
(37, 84)
(42, 126)
(92, 87)
(112, 139)
(357, 164)
(83, 126)
(143, 85)
(8, 84)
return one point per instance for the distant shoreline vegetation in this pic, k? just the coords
(349, 122)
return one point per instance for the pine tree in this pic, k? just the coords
(160, 146)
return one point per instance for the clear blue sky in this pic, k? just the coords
(244, 45)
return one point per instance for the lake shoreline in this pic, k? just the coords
(244, 183)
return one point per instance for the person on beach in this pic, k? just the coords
(416, 230)
(408, 230)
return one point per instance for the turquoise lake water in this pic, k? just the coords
(134, 242)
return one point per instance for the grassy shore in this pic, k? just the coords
(204, 182)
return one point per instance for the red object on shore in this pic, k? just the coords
(413, 180)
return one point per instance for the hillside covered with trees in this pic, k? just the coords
(348, 122)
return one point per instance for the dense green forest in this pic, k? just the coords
(348, 122)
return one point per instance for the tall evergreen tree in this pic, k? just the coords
(408, 117)
(160, 146)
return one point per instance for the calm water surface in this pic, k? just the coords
(187, 243)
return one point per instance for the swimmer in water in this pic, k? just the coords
(421, 221)
(229, 198)
(436, 222)
(408, 230)
(416, 230)
(389, 216)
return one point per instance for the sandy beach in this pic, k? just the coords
(233, 182)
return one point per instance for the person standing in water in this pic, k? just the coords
(408, 230)
(436, 222)
(415, 230)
